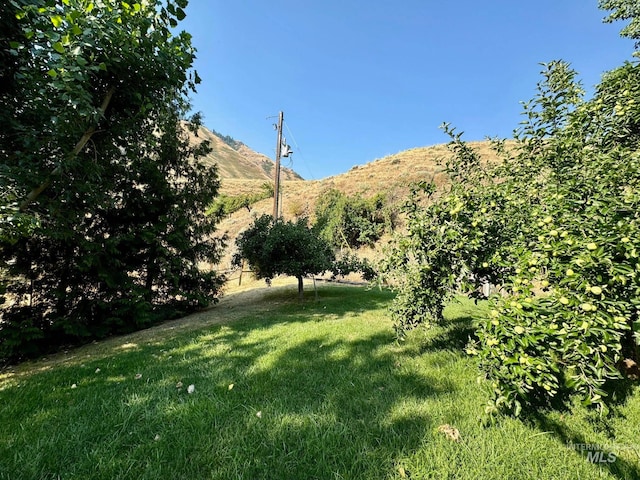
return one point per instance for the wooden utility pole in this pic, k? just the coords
(276, 188)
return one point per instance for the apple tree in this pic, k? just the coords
(283, 248)
(555, 224)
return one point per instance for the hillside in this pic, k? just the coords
(237, 161)
(391, 175)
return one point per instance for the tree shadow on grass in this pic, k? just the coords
(453, 335)
(267, 404)
(606, 456)
(455, 331)
(322, 408)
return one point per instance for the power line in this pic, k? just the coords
(306, 164)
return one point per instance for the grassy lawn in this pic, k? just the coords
(318, 390)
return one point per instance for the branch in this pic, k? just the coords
(35, 193)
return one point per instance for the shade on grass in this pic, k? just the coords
(318, 390)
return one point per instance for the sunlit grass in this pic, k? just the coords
(296, 391)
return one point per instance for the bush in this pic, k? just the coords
(352, 264)
(351, 222)
(226, 204)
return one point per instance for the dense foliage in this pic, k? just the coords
(102, 194)
(228, 204)
(283, 248)
(555, 224)
(352, 221)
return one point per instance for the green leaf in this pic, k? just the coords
(56, 20)
(180, 14)
(52, 73)
(58, 47)
(14, 44)
(182, 3)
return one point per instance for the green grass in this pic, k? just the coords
(320, 391)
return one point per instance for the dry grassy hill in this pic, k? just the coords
(237, 161)
(392, 175)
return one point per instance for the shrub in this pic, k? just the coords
(228, 204)
(351, 222)
(350, 263)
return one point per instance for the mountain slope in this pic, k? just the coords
(237, 161)
(392, 175)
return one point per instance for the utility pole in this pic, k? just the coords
(276, 188)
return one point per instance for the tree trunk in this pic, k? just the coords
(152, 273)
(300, 288)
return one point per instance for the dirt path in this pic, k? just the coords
(236, 302)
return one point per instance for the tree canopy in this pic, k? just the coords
(278, 247)
(103, 199)
(555, 225)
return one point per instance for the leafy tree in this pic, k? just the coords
(351, 222)
(555, 224)
(283, 248)
(624, 10)
(13, 223)
(98, 164)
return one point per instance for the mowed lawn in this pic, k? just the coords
(284, 390)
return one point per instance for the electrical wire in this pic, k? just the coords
(313, 177)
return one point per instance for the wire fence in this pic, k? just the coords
(232, 275)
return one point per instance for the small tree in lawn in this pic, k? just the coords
(283, 248)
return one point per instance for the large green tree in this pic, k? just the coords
(283, 248)
(96, 156)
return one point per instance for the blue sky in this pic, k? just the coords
(358, 80)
